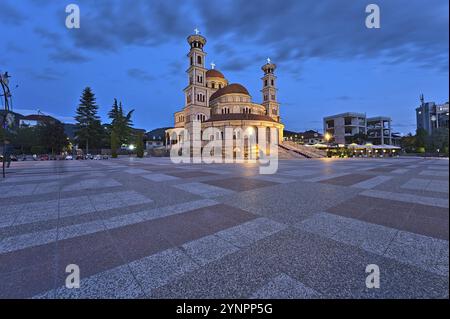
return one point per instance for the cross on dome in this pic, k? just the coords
(269, 60)
(197, 31)
(213, 65)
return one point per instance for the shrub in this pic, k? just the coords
(420, 150)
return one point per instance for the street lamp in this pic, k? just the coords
(328, 137)
(4, 82)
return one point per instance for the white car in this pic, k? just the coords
(69, 157)
(97, 157)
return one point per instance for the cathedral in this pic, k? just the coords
(213, 102)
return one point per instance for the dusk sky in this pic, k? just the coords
(328, 61)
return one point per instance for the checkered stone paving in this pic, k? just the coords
(148, 228)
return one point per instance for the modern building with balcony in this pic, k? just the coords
(379, 130)
(342, 127)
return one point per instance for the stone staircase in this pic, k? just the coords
(286, 153)
(305, 151)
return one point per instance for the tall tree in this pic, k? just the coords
(114, 144)
(120, 123)
(140, 144)
(89, 129)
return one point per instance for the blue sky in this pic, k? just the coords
(133, 50)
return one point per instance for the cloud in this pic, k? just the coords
(291, 33)
(59, 51)
(343, 98)
(9, 15)
(66, 55)
(111, 25)
(14, 48)
(47, 74)
(139, 74)
(50, 38)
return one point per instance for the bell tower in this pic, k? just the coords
(195, 92)
(269, 91)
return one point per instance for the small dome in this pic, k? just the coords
(230, 89)
(213, 73)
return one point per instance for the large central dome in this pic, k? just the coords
(234, 88)
(213, 73)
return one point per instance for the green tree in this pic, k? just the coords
(408, 143)
(89, 129)
(121, 123)
(25, 138)
(421, 138)
(52, 136)
(438, 140)
(114, 144)
(140, 144)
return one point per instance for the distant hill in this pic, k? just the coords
(70, 129)
(157, 134)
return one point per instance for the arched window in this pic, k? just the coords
(200, 97)
(201, 117)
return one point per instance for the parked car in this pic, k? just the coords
(69, 157)
(97, 157)
(44, 157)
(105, 157)
(13, 158)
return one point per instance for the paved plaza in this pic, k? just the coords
(147, 228)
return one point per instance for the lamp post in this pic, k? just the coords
(327, 137)
(4, 82)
